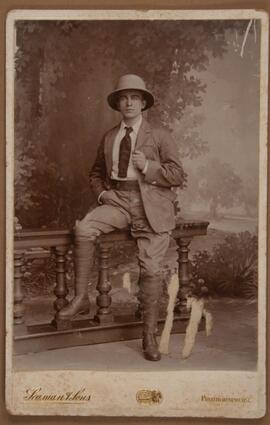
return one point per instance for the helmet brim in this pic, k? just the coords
(113, 98)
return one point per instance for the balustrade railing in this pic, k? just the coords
(60, 241)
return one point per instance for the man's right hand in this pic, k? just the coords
(100, 196)
(106, 194)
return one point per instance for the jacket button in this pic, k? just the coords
(154, 182)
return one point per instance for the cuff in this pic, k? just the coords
(145, 167)
(153, 171)
(100, 195)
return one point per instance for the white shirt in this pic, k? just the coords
(132, 172)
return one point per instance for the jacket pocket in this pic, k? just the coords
(166, 193)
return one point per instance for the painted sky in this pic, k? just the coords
(231, 106)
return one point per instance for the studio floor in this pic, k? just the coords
(232, 346)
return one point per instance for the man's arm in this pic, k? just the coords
(97, 175)
(168, 171)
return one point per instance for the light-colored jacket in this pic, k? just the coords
(163, 173)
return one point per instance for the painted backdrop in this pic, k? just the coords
(205, 78)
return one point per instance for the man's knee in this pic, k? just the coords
(149, 269)
(84, 230)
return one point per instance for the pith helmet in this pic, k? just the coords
(130, 82)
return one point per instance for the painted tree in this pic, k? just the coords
(186, 132)
(219, 185)
(64, 71)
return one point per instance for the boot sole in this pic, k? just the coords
(150, 358)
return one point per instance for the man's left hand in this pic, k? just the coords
(139, 160)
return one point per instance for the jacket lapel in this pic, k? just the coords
(110, 137)
(142, 134)
(108, 147)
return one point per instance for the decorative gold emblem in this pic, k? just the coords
(149, 397)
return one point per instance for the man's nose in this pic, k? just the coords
(129, 100)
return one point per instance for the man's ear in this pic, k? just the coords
(143, 103)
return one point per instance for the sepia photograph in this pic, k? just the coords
(136, 212)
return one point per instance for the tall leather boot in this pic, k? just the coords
(151, 288)
(83, 258)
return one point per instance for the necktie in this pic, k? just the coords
(124, 153)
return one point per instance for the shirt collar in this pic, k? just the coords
(135, 126)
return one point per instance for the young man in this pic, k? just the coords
(132, 177)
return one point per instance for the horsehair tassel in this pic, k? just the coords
(197, 308)
(173, 288)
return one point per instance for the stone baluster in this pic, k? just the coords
(183, 260)
(104, 300)
(19, 308)
(61, 289)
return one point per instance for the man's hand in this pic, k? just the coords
(103, 195)
(139, 160)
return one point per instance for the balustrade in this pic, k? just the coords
(60, 241)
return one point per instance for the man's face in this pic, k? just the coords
(131, 103)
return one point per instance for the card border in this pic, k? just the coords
(262, 248)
